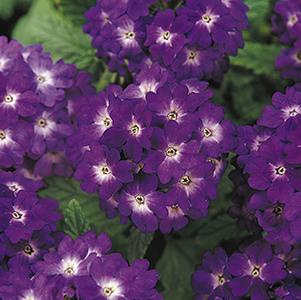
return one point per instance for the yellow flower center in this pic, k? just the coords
(185, 180)
(256, 272)
(107, 122)
(130, 35)
(166, 35)
(171, 151)
(172, 116)
(105, 170)
(206, 18)
(135, 129)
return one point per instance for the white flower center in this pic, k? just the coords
(135, 129)
(140, 199)
(171, 151)
(14, 186)
(256, 271)
(172, 116)
(8, 99)
(130, 35)
(41, 79)
(280, 170)
(42, 122)
(292, 20)
(69, 266)
(206, 18)
(111, 288)
(207, 132)
(185, 180)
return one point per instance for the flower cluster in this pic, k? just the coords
(154, 152)
(269, 155)
(287, 26)
(37, 97)
(38, 262)
(259, 272)
(193, 42)
(28, 223)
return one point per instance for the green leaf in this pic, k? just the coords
(258, 10)
(259, 58)
(138, 244)
(75, 222)
(176, 267)
(7, 8)
(75, 9)
(66, 189)
(43, 24)
(181, 256)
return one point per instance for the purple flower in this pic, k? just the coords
(165, 36)
(53, 163)
(139, 8)
(111, 277)
(254, 270)
(16, 284)
(17, 182)
(284, 113)
(22, 215)
(102, 170)
(63, 266)
(173, 149)
(17, 96)
(132, 132)
(51, 127)
(194, 62)
(14, 141)
(212, 277)
(287, 20)
(101, 16)
(270, 171)
(278, 217)
(177, 213)
(148, 80)
(194, 187)
(214, 24)
(289, 62)
(9, 54)
(141, 201)
(31, 250)
(51, 79)
(175, 104)
(215, 133)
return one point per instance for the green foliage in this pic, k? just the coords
(74, 9)
(75, 222)
(138, 244)
(43, 24)
(259, 58)
(7, 7)
(65, 190)
(258, 10)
